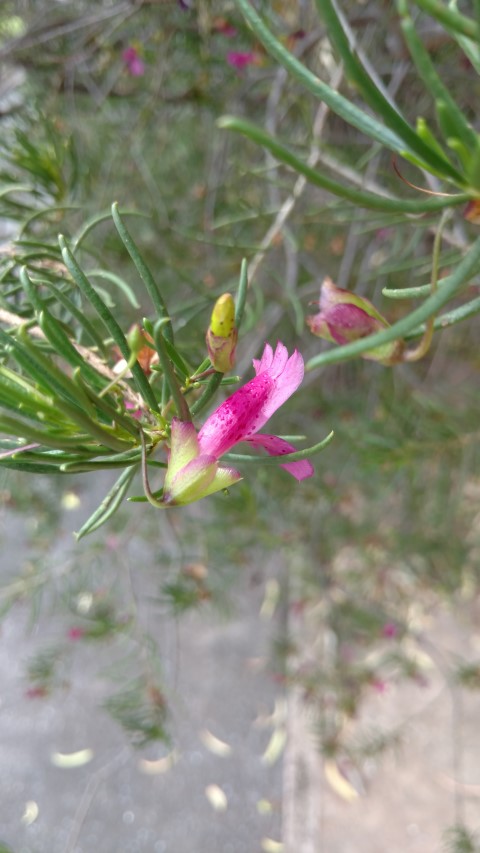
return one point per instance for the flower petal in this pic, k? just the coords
(246, 411)
(349, 323)
(287, 374)
(238, 417)
(276, 446)
(266, 360)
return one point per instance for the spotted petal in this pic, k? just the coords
(248, 409)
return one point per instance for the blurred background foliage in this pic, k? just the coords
(389, 528)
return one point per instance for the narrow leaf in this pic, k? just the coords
(241, 294)
(362, 198)
(375, 98)
(143, 271)
(108, 319)
(109, 505)
(433, 82)
(337, 103)
(280, 460)
(450, 18)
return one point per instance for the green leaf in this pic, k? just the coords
(363, 198)
(143, 271)
(70, 399)
(241, 294)
(376, 99)
(296, 456)
(181, 404)
(119, 282)
(17, 427)
(44, 371)
(110, 503)
(77, 314)
(108, 319)
(175, 357)
(211, 389)
(338, 104)
(450, 18)
(434, 84)
(457, 315)
(97, 220)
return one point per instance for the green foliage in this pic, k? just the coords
(389, 521)
(459, 839)
(43, 669)
(141, 709)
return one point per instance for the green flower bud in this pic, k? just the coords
(222, 334)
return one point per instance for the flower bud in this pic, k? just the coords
(138, 341)
(472, 211)
(345, 317)
(222, 334)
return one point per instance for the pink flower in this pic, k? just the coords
(345, 317)
(224, 27)
(193, 470)
(389, 630)
(240, 59)
(36, 692)
(135, 411)
(472, 211)
(75, 633)
(135, 65)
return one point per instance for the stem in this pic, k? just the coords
(296, 456)
(181, 404)
(146, 485)
(207, 395)
(426, 341)
(463, 312)
(241, 293)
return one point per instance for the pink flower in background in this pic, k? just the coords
(36, 692)
(389, 630)
(135, 411)
(472, 211)
(240, 59)
(134, 64)
(345, 317)
(224, 28)
(193, 471)
(75, 633)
